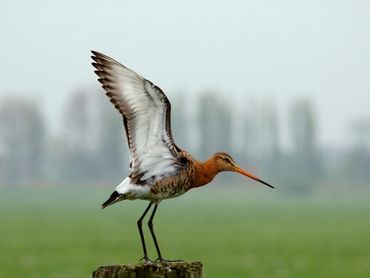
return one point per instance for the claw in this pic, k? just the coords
(147, 260)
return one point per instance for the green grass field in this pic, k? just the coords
(64, 233)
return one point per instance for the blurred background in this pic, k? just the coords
(283, 86)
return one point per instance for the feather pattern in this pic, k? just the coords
(146, 115)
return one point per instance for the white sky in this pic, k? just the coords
(279, 49)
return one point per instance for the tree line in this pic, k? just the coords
(89, 145)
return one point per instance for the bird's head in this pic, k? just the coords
(224, 162)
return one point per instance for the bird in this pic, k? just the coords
(159, 169)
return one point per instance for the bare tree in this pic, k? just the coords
(356, 166)
(215, 124)
(76, 152)
(305, 167)
(179, 122)
(22, 141)
(112, 151)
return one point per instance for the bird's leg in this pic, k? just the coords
(151, 228)
(139, 225)
(150, 224)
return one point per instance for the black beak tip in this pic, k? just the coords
(265, 183)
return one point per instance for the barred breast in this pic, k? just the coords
(174, 186)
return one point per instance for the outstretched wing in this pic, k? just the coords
(146, 114)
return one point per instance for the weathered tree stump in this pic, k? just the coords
(151, 270)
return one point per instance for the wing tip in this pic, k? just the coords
(95, 56)
(95, 53)
(100, 57)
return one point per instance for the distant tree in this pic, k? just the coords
(303, 129)
(179, 122)
(215, 124)
(112, 150)
(22, 140)
(269, 137)
(92, 146)
(360, 131)
(78, 139)
(305, 167)
(272, 131)
(250, 131)
(356, 166)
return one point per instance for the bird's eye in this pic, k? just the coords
(227, 160)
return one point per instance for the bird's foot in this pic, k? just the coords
(147, 260)
(162, 260)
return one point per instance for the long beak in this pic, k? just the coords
(249, 175)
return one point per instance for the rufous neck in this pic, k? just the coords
(207, 170)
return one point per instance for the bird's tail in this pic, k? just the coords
(114, 198)
(119, 194)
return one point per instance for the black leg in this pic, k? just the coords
(151, 228)
(139, 225)
(150, 224)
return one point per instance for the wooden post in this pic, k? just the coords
(151, 270)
